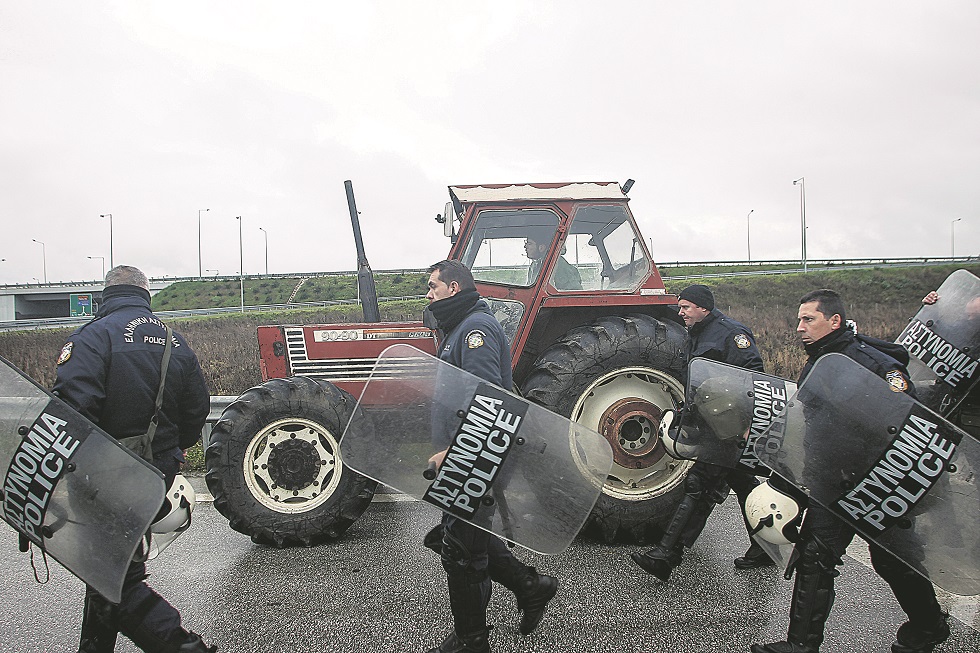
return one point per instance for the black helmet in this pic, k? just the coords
(725, 410)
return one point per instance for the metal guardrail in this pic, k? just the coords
(931, 260)
(827, 267)
(56, 322)
(218, 405)
(221, 277)
(928, 260)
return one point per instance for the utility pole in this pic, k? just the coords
(241, 262)
(802, 184)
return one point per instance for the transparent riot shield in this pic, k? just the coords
(72, 490)
(942, 340)
(727, 408)
(511, 467)
(889, 467)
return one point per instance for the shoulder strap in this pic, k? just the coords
(890, 349)
(151, 431)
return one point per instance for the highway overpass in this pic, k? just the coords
(37, 301)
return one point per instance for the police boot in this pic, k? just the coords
(476, 642)
(928, 624)
(531, 589)
(661, 559)
(533, 596)
(813, 596)
(195, 644)
(755, 557)
(469, 595)
(99, 624)
(915, 639)
(180, 641)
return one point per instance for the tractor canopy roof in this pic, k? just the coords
(602, 190)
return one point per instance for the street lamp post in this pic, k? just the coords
(952, 242)
(748, 235)
(802, 184)
(266, 233)
(44, 259)
(199, 211)
(109, 215)
(241, 262)
(101, 258)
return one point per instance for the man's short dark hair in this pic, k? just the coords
(126, 275)
(829, 303)
(450, 271)
(540, 235)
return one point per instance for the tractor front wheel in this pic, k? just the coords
(273, 464)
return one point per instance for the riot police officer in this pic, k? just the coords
(824, 537)
(714, 336)
(110, 371)
(474, 341)
(967, 414)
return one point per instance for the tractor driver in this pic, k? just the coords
(566, 276)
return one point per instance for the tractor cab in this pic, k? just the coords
(549, 257)
(574, 237)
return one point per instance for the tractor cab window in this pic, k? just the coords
(508, 247)
(605, 249)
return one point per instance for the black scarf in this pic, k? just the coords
(449, 312)
(121, 295)
(836, 338)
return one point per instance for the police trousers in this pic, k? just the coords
(142, 615)
(914, 592)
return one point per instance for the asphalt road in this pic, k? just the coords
(378, 590)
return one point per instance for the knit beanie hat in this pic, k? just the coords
(699, 296)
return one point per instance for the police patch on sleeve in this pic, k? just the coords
(65, 352)
(742, 341)
(474, 339)
(896, 381)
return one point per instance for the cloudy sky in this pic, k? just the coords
(153, 111)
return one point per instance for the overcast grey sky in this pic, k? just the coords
(152, 111)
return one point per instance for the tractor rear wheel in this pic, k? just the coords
(273, 464)
(617, 376)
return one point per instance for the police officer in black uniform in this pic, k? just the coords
(714, 336)
(474, 341)
(109, 371)
(967, 414)
(823, 537)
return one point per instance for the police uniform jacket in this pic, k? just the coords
(478, 345)
(109, 371)
(886, 359)
(720, 338)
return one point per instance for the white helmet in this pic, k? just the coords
(178, 504)
(772, 514)
(680, 442)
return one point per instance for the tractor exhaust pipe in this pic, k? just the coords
(366, 291)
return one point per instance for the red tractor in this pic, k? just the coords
(594, 336)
